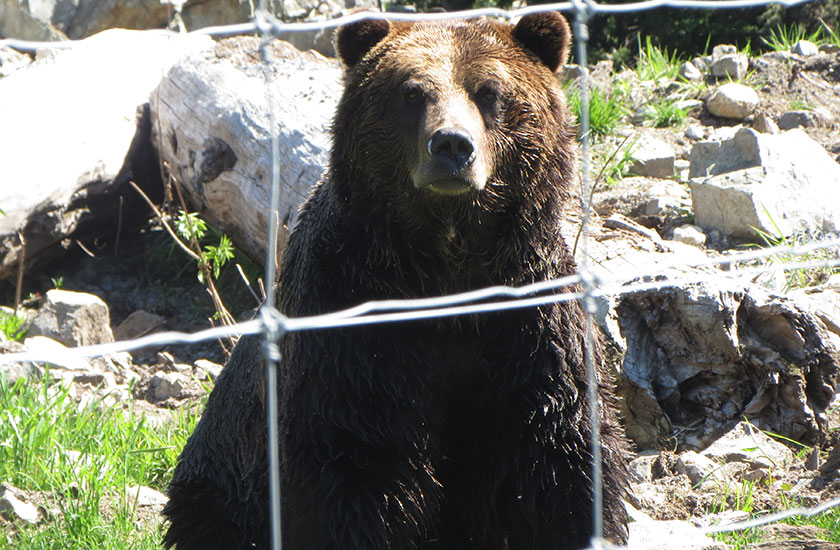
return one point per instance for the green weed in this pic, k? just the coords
(605, 110)
(83, 458)
(655, 63)
(667, 113)
(12, 326)
(783, 37)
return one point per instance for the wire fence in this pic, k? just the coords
(273, 324)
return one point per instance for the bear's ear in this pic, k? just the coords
(354, 40)
(546, 35)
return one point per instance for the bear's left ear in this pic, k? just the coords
(546, 35)
(354, 40)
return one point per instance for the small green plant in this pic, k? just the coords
(615, 165)
(193, 229)
(801, 277)
(666, 113)
(12, 326)
(782, 38)
(605, 110)
(655, 63)
(799, 105)
(58, 282)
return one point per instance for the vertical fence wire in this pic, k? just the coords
(272, 330)
(580, 30)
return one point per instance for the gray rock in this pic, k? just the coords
(690, 234)
(139, 323)
(145, 496)
(13, 371)
(805, 48)
(732, 100)
(775, 183)
(810, 118)
(167, 384)
(745, 443)
(829, 48)
(665, 197)
(13, 508)
(652, 158)
(208, 369)
(695, 132)
(728, 63)
(641, 467)
(697, 467)
(764, 123)
(73, 319)
(689, 72)
(667, 535)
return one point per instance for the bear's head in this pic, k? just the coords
(463, 112)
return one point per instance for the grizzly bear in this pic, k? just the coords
(451, 164)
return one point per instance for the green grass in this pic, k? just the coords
(666, 113)
(655, 63)
(51, 444)
(12, 326)
(605, 110)
(784, 37)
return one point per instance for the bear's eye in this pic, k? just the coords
(489, 93)
(412, 92)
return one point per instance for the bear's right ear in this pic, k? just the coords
(354, 40)
(546, 35)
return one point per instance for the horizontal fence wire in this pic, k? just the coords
(587, 287)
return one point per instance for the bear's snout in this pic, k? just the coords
(454, 147)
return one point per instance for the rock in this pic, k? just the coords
(208, 369)
(666, 535)
(805, 48)
(13, 371)
(139, 323)
(12, 60)
(145, 496)
(764, 123)
(12, 508)
(213, 119)
(167, 384)
(695, 132)
(829, 48)
(745, 443)
(710, 352)
(728, 63)
(641, 466)
(103, 380)
(663, 198)
(690, 234)
(17, 21)
(774, 183)
(696, 467)
(73, 319)
(689, 72)
(95, 141)
(732, 100)
(811, 118)
(652, 158)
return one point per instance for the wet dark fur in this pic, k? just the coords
(455, 433)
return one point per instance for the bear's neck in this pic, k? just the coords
(433, 247)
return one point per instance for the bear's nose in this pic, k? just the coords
(453, 146)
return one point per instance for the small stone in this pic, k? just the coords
(652, 158)
(641, 466)
(728, 63)
(689, 72)
(210, 369)
(695, 132)
(797, 119)
(167, 384)
(690, 234)
(764, 123)
(732, 100)
(139, 323)
(829, 48)
(696, 466)
(146, 496)
(805, 48)
(12, 508)
(73, 318)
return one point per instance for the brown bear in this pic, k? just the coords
(450, 169)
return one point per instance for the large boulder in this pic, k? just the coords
(776, 184)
